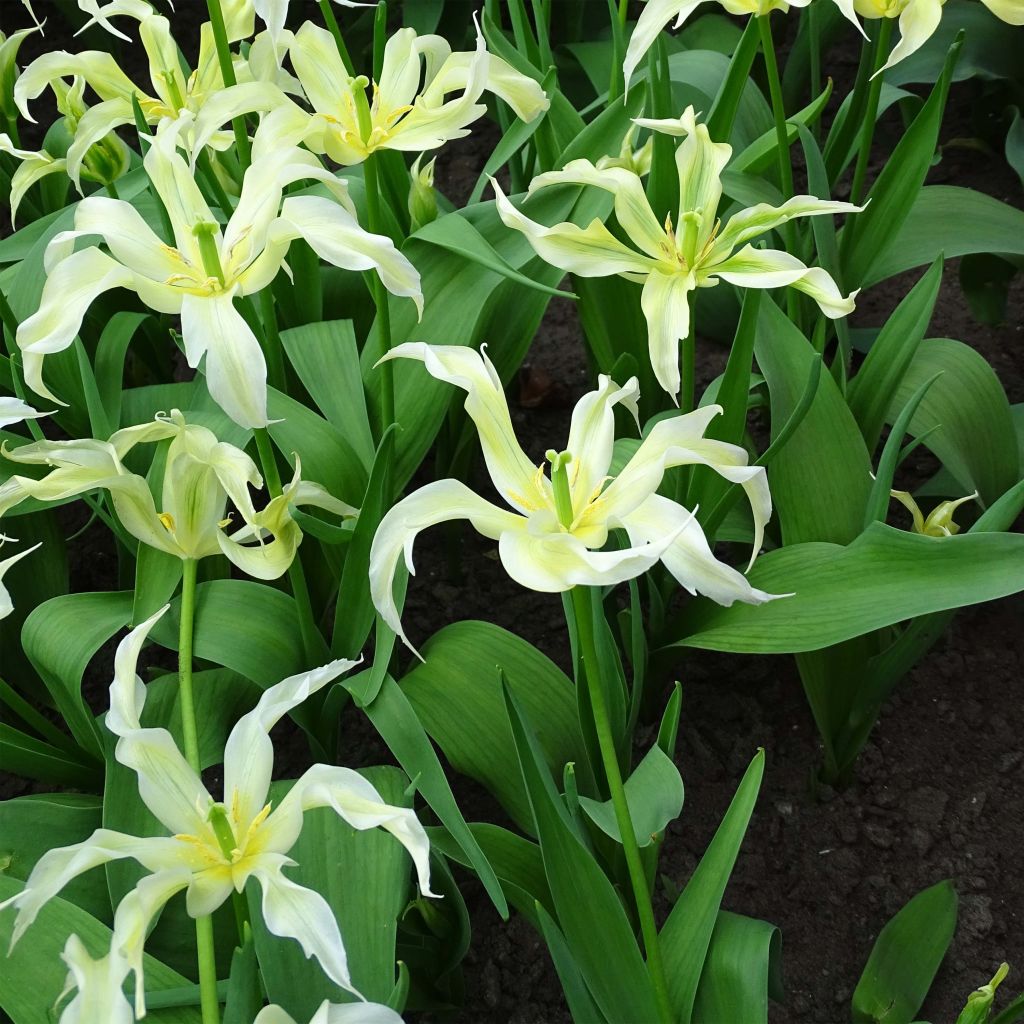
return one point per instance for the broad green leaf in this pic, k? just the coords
(965, 415)
(686, 934)
(951, 220)
(31, 825)
(574, 986)
(905, 958)
(463, 666)
(743, 968)
(326, 358)
(394, 718)
(157, 575)
(821, 477)
(871, 392)
(109, 361)
(870, 233)
(61, 637)
(654, 793)
(885, 576)
(32, 758)
(588, 909)
(33, 975)
(244, 997)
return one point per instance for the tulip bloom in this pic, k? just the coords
(551, 539)
(938, 522)
(671, 261)
(213, 848)
(201, 475)
(207, 266)
(403, 115)
(99, 995)
(334, 1013)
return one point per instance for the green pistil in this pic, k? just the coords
(204, 234)
(218, 818)
(560, 485)
(171, 80)
(689, 230)
(359, 87)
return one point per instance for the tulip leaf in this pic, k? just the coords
(952, 220)
(393, 717)
(826, 448)
(869, 234)
(157, 575)
(32, 758)
(965, 418)
(60, 638)
(461, 668)
(109, 360)
(654, 793)
(31, 980)
(244, 997)
(905, 958)
(326, 358)
(890, 355)
(742, 969)
(574, 987)
(588, 909)
(686, 934)
(885, 576)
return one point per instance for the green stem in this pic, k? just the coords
(112, 190)
(814, 44)
(227, 72)
(311, 641)
(209, 1001)
(583, 610)
(778, 106)
(272, 340)
(871, 114)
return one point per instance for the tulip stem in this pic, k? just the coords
(208, 999)
(881, 55)
(583, 612)
(312, 643)
(227, 72)
(778, 105)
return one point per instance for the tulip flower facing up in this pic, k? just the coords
(551, 540)
(207, 266)
(201, 475)
(212, 848)
(672, 260)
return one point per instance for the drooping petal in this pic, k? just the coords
(292, 911)
(6, 604)
(592, 436)
(632, 210)
(249, 754)
(135, 913)
(510, 468)
(98, 68)
(356, 800)
(849, 12)
(654, 17)
(439, 502)
(918, 22)
(99, 995)
(772, 268)
(14, 410)
(689, 557)
(552, 562)
(592, 251)
(168, 785)
(758, 220)
(699, 163)
(60, 866)
(335, 235)
(665, 301)
(236, 372)
(67, 294)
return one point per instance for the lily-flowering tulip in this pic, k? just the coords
(201, 475)
(173, 91)
(334, 1013)
(6, 604)
(99, 995)
(207, 266)
(672, 260)
(213, 848)
(427, 95)
(919, 19)
(938, 522)
(552, 537)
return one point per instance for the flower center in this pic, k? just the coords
(560, 485)
(204, 233)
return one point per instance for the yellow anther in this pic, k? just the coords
(168, 520)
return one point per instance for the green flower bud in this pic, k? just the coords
(980, 1002)
(422, 197)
